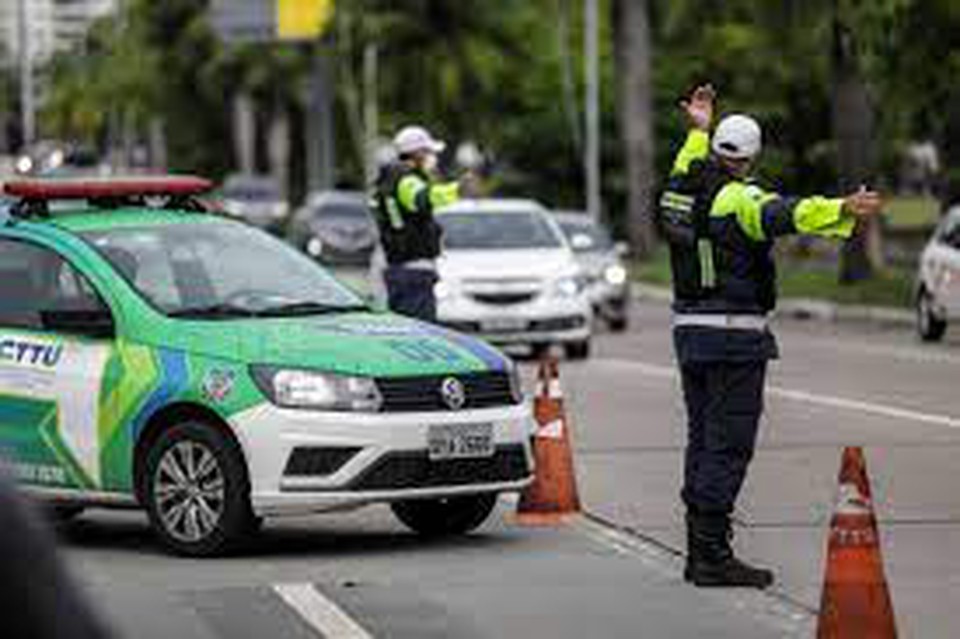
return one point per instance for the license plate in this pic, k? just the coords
(460, 441)
(504, 324)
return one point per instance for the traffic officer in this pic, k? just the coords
(405, 198)
(721, 228)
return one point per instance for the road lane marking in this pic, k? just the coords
(320, 613)
(789, 616)
(830, 401)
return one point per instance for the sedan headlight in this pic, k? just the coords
(615, 274)
(315, 247)
(443, 290)
(294, 388)
(516, 384)
(566, 287)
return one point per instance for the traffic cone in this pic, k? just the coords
(856, 601)
(553, 494)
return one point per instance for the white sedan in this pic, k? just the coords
(508, 275)
(938, 280)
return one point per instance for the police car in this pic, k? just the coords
(156, 355)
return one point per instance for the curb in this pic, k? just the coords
(805, 308)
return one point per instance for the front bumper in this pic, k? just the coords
(541, 320)
(388, 460)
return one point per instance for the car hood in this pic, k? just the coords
(367, 343)
(507, 264)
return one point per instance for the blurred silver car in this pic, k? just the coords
(335, 228)
(938, 279)
(601, 260)
(256, 199)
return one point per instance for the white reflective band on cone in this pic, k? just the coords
(552, 430)
(553, 390)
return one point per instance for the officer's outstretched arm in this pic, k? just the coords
(764, 216)
(418, 196)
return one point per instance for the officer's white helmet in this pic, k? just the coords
(411, 139)
(737, 137)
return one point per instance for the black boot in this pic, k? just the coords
(710, 559)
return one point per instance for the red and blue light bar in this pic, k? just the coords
(107, 188)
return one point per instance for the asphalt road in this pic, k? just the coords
(614, 572)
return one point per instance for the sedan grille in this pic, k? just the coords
(414, 469)
(503, 299)
(423, 394)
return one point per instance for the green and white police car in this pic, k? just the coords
(156, 355)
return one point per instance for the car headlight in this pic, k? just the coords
(443, 290)
(315, 247)
(615, 274)
(294, 388)
(516, 384)
(566, 287)
(279, 210)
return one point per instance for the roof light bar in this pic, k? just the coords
(83, 189)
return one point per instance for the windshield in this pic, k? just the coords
(586, 238)
(220, 270)
(483, 231)
(356, 212)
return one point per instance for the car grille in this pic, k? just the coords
(414, 469)
(503, 299)
(416, 394)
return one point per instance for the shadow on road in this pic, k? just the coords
(278, 539)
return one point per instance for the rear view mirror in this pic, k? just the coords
(95, 323)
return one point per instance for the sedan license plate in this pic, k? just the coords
(504, 324)
(460, 441)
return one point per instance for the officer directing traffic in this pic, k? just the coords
(405, 199)
(721, 228)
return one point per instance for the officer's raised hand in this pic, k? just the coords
(699, 108)
(863, 203)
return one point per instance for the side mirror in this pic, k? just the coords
(622, 249)
(94, 323)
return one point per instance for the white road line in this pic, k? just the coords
(830, 401)
(320, 612)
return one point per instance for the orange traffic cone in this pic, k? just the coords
(856, 601)
(553, 494)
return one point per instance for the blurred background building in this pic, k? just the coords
(53, 25)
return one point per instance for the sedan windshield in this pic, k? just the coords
(221, 271)
(484, 231)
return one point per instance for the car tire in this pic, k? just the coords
(445, 517)
(930, 328)
(577, 351)
(618, 324)
(196, 491)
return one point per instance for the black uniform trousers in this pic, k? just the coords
(410, 292)
(723, 376)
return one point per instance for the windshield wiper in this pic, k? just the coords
(295, 309)
(214, 311)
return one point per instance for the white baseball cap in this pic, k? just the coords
(737, 137)
(411, 139)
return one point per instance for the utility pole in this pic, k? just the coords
(27, 94)
(591, 158)
(371, 111)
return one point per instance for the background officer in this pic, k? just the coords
(404, 201)
(721, 229)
